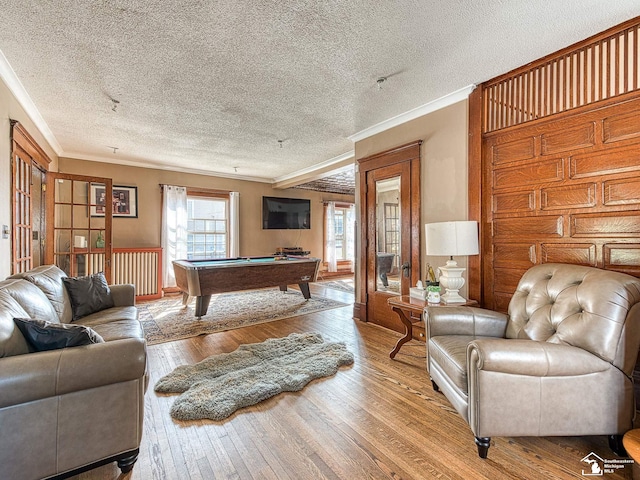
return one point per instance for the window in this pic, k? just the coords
(207, 227)
(338, 230)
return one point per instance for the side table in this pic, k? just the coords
(409, 310)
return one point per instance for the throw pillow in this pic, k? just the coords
(88, 294)
(43, 335)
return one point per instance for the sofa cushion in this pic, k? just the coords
(48, 278)
(115, 323)
(110, 315)
(12, 342)
(43, 335)
(30, 297)
(88, 294)
(120, 329)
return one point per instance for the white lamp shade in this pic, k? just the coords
(451, 238)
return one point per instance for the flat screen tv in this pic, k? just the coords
(286, 213)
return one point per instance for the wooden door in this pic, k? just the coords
(82, 219)
(29, 164)
(390, 230)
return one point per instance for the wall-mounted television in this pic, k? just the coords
(286, 213)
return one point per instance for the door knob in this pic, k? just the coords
(406, 269)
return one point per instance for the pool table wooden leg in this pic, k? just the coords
(202, 304)
(304, 288)
(185, 298)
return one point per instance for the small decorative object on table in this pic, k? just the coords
(100, 240)
(433, 293)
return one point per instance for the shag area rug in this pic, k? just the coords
(167, 319)
(221, 384)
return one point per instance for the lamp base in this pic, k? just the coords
(452, 296)
(451, 279)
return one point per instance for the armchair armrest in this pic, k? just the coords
(464, 321)
(532, 358)
(34, 376)
(123, 295)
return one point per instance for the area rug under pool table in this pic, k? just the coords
(167, 319)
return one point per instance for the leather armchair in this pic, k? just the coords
(560, 363)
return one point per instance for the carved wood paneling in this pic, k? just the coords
(578, 253)
(603, 162)
(581, 136)
(625, 191)
(576, 200)
(572, 196)
(542, 171)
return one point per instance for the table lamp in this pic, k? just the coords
(451, 238)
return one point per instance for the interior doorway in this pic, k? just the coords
(390, 231)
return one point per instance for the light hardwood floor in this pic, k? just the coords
(377, 419)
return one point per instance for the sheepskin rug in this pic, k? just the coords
(221, 384)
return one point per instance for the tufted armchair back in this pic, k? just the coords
(593, 309)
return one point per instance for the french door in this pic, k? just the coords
(80, 233)
(29, 165)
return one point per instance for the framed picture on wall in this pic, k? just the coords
(124, 201)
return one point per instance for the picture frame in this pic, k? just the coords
(124, 201)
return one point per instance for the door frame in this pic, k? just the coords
(409, 153)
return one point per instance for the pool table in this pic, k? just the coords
(202, 278)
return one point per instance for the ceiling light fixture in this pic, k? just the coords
(280, 142)
(114, 148)
(380, 81)
(115, 104)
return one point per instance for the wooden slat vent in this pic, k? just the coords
(596, 70)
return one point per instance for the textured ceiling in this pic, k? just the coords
(213, 86)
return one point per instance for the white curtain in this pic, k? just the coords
(331, 237)
(350, 235)
(174, 230)
(234, 224)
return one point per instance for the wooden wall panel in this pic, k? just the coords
(512, 151)
(625, 191)
(529, 227)
(578, 253)
(574, 138)
(576, 200)
(514, 202)
(621, 127)
(572, 196)
(611, 224)
(543, 171)
(519, 255)
(603, 162)
(623, 257)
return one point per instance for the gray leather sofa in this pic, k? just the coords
(68, 410)
(559, 364)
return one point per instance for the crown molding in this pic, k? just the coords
(442, 102)
(155, 166)
(15, 86)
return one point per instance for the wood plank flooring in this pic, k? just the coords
(377, 419)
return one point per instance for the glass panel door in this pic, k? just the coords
(81, 227)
